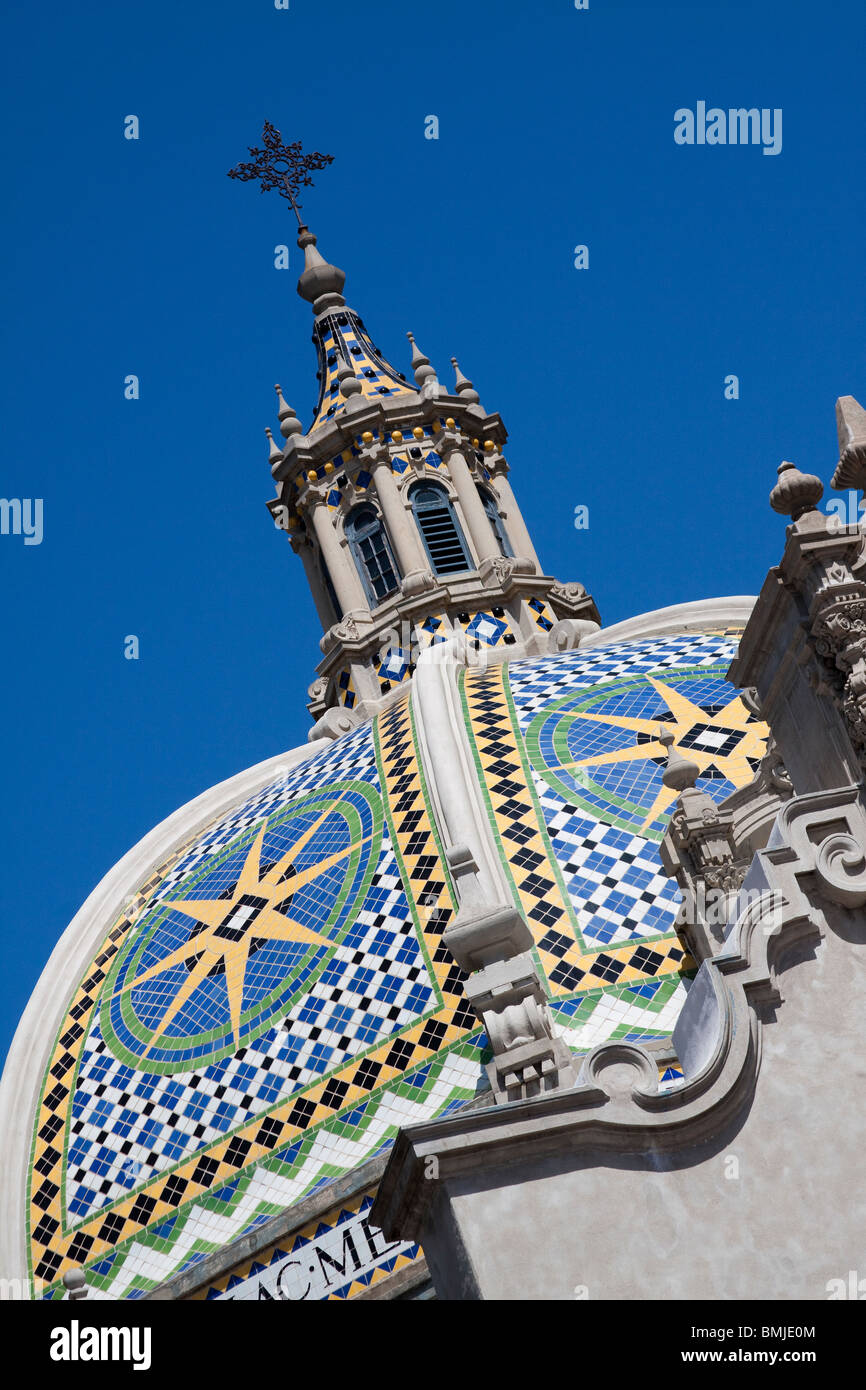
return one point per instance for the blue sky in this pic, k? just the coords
(555, 129)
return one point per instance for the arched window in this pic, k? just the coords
(367, 537)
(440, 529)
(492, 510)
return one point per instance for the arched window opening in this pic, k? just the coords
(370, 546)
(492, 510)
(440, 530)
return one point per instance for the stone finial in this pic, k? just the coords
(463, 386)
(680, 773)
(319, 277)
(289, 422)
(274, 451)
(795, 493)
(851, 428)
(349, 383)
(420, 364)
(75, 1283)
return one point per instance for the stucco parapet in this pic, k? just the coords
(698, 615)
(813, 867)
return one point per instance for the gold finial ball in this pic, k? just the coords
(418, 432)
(312, 475)
(489, 446)
(329, 468)
(475, 443)
(367, 436)
(449, 423)
(397, 436)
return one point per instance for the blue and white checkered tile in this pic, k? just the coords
(122, 1137)
(536, 682)
(347, 757)
(614, 878)
(129, 1125)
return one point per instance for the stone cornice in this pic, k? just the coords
(303, 452)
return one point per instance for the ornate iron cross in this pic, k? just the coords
(281, 167)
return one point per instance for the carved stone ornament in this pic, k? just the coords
(569, 592)
(347, 631)
(335, 722)
(838, 634)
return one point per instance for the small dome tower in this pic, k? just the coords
(398, 501)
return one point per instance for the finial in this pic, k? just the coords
(851, 428)
(319, 277)
(795, 493)
(75, 1283)
(463, 386)
(280, 167)
(420, 364)
(285, 169)
(289, 422)
(274, 453)
(349, 383)
(680, 773)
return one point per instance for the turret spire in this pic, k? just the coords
(289, 422)
(425, 375)
(463, 386)
(351, 368)
(396, 500)
(274, 452)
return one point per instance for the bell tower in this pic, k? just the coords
(398, 501)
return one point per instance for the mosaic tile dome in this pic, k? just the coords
(276, 1002)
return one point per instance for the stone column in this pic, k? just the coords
(450, 448)
(341, 566)
(321, 598)
(514, 524)
(376, 458)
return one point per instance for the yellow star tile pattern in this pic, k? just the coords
(57, 1245)
(232, 926)
(531, 862)
(621, 695)
(734, 718)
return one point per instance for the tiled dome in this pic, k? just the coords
(276, 1001)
